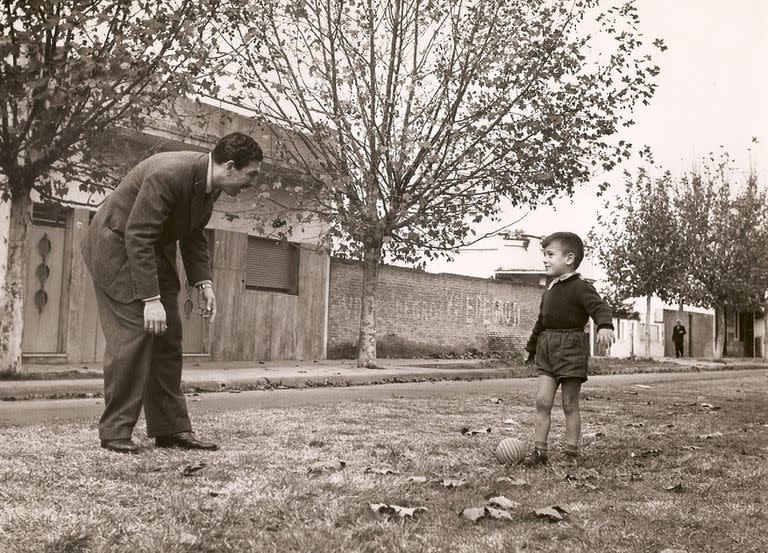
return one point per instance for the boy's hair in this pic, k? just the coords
(237, 147)
(569, 243)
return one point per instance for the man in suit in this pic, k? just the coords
(130, 250)
(678, 336)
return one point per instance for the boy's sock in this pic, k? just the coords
(538, 456)
(541, 448)
(572, 450)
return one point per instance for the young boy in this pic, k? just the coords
(558, 342)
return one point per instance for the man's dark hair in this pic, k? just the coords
(569, 243)
(238, 147)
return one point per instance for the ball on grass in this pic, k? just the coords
(509, 451)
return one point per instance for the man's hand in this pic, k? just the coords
(207, 302)
(154, 317)
(605, 337)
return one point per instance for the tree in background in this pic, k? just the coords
(413, 118)
(726, 227)
(638, 241)
(71, 72)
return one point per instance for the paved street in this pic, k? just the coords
(36, 411)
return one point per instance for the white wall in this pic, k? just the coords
(630, 339)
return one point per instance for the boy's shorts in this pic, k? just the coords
(563, 354)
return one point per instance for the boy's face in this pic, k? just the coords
(556, 261)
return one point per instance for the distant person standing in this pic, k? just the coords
(678, 335)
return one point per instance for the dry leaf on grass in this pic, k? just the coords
(381, 471)
(502, 502)
(452, 482)
(677, 487)
(635, 424)
(189, 470)
(473, 513)
(396, 510)
(514, 422)
(709, 436)
(478, 513)
(643, 386)
(674, 551)
(472, 431)
(497, 400)
(416, 479)
(555, 513)
(326, 466)
(512, 481)
(709, 407)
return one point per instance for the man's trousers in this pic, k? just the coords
(141, 369)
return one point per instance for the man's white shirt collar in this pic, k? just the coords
(561, 278)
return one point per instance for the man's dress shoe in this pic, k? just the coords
(184, 440)
(121, 445)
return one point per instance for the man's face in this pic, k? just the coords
(556, 261)
(235, 180)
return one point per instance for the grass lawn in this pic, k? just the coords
(672, 466)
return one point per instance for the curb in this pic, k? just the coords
(94, 387)
(21, 390)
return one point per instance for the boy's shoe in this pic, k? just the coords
(534, 459)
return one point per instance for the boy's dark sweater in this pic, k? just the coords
(568, 305)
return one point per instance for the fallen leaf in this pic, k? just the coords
(631, 392)
(502, 502)
(396, 510)
(189, 470)
(674, 551)
(709, 407)
(636, 424)
(453, 482)
(513, 421)
(678, 487)
(709, 436)
(498, 514)
(471, 432)
(692, 447)
(593, 435)
(651, 452)
(473, 513)
(554, 513)
(512, 481)
(383, 471)
(326, 466)
(416, 479)
(497, 400)
(643, 386)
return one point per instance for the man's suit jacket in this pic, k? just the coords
(162, 200)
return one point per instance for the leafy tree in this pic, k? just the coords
(413, 118)
(726, 228)
(71, 72)
(638, 241)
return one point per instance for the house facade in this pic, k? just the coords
(271, 294)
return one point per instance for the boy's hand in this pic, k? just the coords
(605, 337)
(530, 359)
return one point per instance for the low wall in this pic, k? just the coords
(420, 313)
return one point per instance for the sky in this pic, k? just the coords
(712, 93)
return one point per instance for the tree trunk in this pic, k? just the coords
(717, 352)
(366, 345)
(12, 294)
(648, 326)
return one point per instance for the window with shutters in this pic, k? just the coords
(272, 266)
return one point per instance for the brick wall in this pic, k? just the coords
(433, 313)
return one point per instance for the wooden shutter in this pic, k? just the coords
(271, 265)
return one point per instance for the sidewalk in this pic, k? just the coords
(202, 375)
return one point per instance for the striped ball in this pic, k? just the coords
(510, 450)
